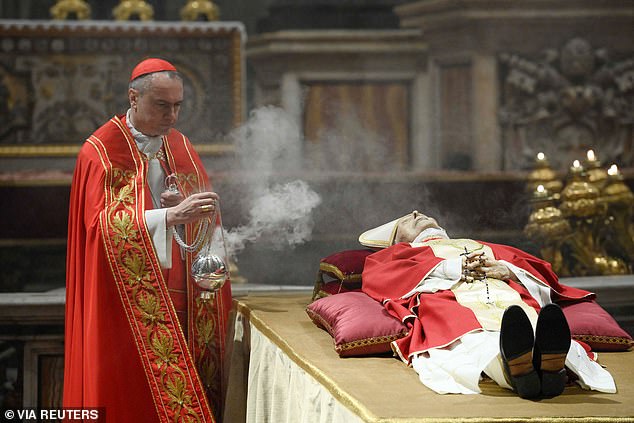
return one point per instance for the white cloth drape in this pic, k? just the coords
(280, 391)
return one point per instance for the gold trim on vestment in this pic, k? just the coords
(150, 312)
(206, 327)
(140, 296)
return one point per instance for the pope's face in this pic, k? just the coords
(413, 224)
(155, 111)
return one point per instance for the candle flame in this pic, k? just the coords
(576, 163)
(540, 188)
(591, 156)
(613, 170)
(541, 156)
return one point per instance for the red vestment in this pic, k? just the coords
(125, 349)
(437, 319)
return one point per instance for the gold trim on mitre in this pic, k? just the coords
(382, 236)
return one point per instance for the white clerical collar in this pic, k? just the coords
(430, 233)
(147, 145)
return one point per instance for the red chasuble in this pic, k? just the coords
(126, 350)
(437, 319)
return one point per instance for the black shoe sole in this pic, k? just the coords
(552, 336)
(553, 383)
(516, 340)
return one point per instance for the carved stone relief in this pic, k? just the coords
(57, 87)
(566, 102)
(73, 95)
(15, 95)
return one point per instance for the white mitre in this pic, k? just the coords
(382, 236)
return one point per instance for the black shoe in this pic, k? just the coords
(552, 342)
(516, 347)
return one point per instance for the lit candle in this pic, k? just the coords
(591, 156)
(576, 168)
(540, 192)
(541, 162)
(614, 176)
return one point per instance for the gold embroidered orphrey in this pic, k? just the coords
(151, 318)
(163, 350)
(173, 370)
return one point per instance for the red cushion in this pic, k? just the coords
(345, 265)
(336, 287)
(358, 324)
(591, 324)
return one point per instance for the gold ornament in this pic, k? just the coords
(618, 230)
(195, 9)
(547, 226)
(595, 174)
(615, 192)
(546, 221)
(605, 265)
(579, 198)
(588, 229)
(543, 175)
(65, 8)
(127, 9)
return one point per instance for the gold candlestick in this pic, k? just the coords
(547, 226)
(541, 198)
(543, 174)
(615, 191)
(595, 174)
(618, 232)
(578, 198)
(591, 232)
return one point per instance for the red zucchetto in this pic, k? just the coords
(151, 65)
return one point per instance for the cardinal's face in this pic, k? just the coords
(155, 111)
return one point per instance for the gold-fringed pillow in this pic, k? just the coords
(340, 272)
(592, 324)
(358, 324)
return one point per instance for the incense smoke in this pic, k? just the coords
(281, 212)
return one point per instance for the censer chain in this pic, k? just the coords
(200, 237)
